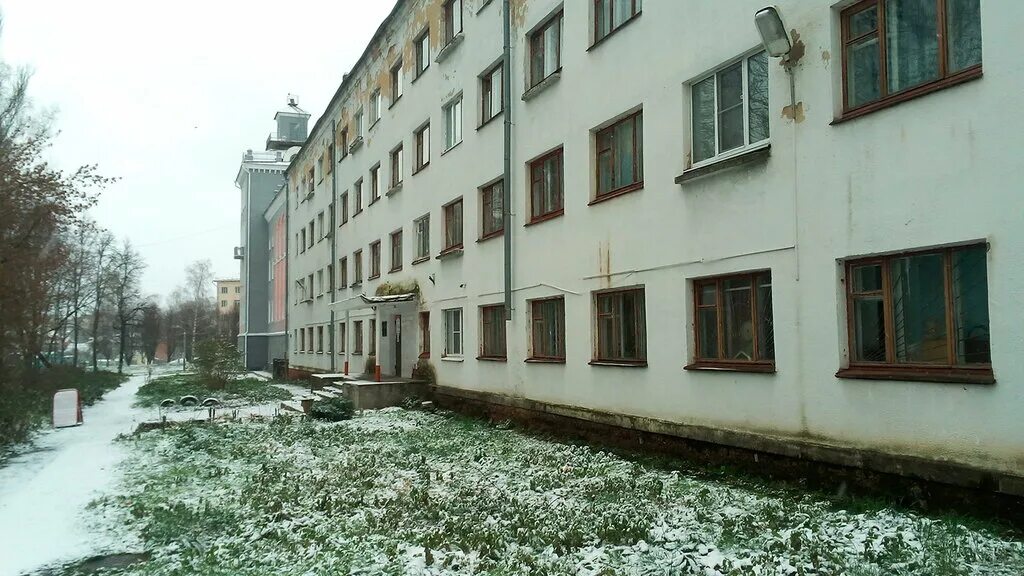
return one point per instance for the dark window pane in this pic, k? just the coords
(739, 326)
(708, 295)
(707, 328)
(864, 21)
(703, 119)
(765, 320)
(623, 150)
(919, 308)
(867, 278)
(963, 34)
(730, 108)
(863, 77)
(757, 82)
(970, 306)
(869, 329)
(911, 43)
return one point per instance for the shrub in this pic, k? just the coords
(371, 365)
(217, 361)
(424, 370)
(333, 410)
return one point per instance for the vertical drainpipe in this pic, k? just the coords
(287, 262)
(334, 246)
(506, 188)
(245, 260)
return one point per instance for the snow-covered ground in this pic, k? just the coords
(45, 490)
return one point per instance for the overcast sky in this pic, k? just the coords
(168, 95)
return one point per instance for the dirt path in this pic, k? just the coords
(44, 492)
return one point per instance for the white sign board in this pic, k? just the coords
(67, 408)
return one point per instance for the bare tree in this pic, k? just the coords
(128, 266)
(198, 284)
(101, 279)
(150, 329)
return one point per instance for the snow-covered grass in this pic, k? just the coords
(401, 492)
(237, 392)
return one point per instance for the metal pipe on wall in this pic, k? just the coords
(334, 245)
(506, 187)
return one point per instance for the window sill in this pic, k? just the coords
(453, 252)
(940, 375)
(453, 147)
(616, 193)
(421, 260)
(492, 358)
(373, 277)
(359, 353)
(356, 284)
(373, 201)
(541, 86)
(545, 360)
(373, 124)
(546, 217)
(419, 74)
(452, 359)
(959, 78)
(393, 270)
(357, 212)
(393, 102)
(394, 190)
(490, 235)
(448, 48)
(420, 168)
(499, 114)
(612, 33)
(620, 363)
(355, 145)
(424, 355)
(757, 153)
(755, 367)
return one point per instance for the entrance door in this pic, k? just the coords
(398, 345)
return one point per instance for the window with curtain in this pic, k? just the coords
(422, 227)
(374, 259)
(546, 186)
(546, 50)
(492, 215)
(491, 94)
(733, 321)
(620, 321)
(453, 225)
(492, 330)
(547, 323)
(891, 47)
(396, 251)
(610, 15)
(453, 123)
(453, 332)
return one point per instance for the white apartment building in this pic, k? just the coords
(704, 241)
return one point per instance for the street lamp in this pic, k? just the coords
(773, 32)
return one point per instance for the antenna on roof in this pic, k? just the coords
(293, 100)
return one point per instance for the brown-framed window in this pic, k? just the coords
(733, 322)
(312, 184)
(610, 15)
(422, 137)
(343, 272)
(302, 242)
(422, 43)
(620, 156)
(546, 186)
(492, 331)
(329, 165)
(492, 214)
(343, 140)
(546, 49)
(920, 310)
(374, 259)
(452, 20)
(296, 339)
(425, 334)
(396, 82)
(453, 123)
(373, 337)
(894, 49)
(344, 207)
(322, 163)
(453, 332)
(374, 183)
(357, 191)
(396, 251)
(357, 335)
(422, 227)
(621, 326)
(492, 93)
(357, 123)
(453, 225)
(729, 108)
(375, 106)
(329, 274)
(547, 329)
(341, 338)
(357, 267)
(320, 339)
(397, 164)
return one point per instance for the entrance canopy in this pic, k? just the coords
(363, 301)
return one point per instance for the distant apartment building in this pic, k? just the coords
(807, 255)
(260, 178)
(229, 295)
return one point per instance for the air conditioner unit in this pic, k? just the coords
(239, 252)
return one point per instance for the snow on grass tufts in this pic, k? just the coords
(398, 492)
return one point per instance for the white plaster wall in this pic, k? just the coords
(939, 169)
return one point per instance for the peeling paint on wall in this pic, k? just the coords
(795, 113)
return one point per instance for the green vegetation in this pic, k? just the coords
(30, 408)
(399, 492)
(333, 410)
(218, 362)
(243, 391)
